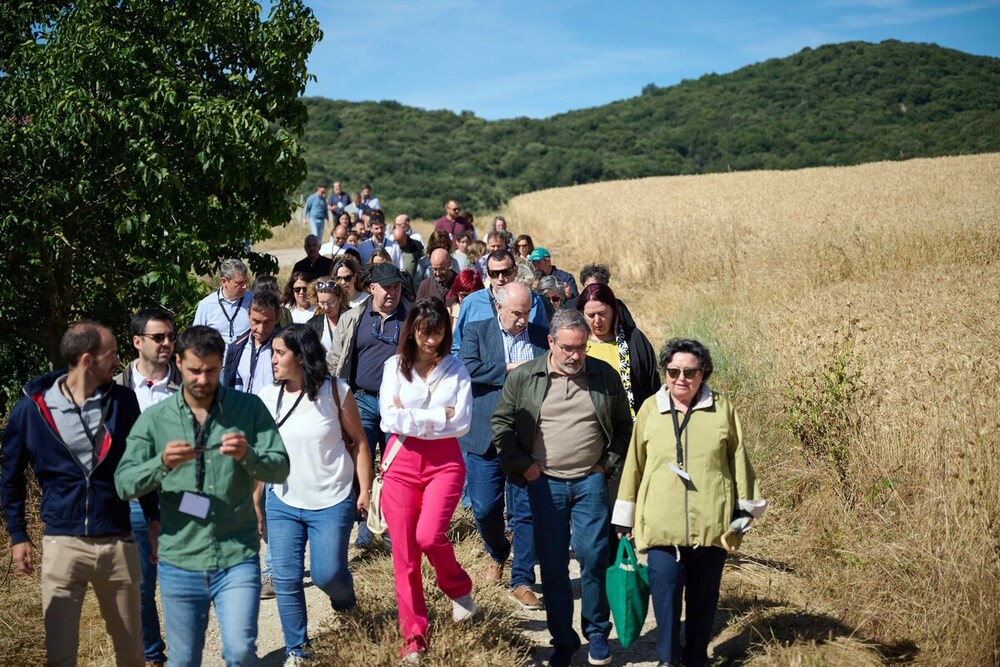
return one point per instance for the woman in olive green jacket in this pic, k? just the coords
(687, 476)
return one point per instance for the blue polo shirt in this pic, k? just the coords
(376, 341)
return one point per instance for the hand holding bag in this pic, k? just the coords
(627, 585)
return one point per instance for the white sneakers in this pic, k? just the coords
(463, 608)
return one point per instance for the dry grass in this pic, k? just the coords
(893, 268)
(889, 553)
(371, 637)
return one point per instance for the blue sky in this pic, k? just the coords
(537, 58)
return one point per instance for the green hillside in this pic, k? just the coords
(839, 104)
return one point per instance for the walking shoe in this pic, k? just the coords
(526, 598)
(266, 587)
(599, 652)
(562, 656)
(463, 608)
(492, 573)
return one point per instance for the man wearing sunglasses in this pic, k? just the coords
(365, 337)
(481, 305)
(153, 377)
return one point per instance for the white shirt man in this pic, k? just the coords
(227, 310)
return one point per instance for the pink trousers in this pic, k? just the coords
(419, 494)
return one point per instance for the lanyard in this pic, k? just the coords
(679, 429)
(92, 436)
(277, 408)
(200, 435)
(236, 311)
(254, 354)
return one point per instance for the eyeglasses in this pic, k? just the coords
(496, 273)
(158, 338)
(300, 290)
(344, 279)
(440, 269)
(572, 349)
(689, 373)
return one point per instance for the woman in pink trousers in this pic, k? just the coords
(425, 401)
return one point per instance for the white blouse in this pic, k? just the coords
(454, 390)
(322, 470)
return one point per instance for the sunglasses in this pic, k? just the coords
(689, 373)
(326, 284)
(344, 279)
(160, 337)
(300, 290)
(496, 273)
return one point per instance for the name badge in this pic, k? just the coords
(194, 504)
(680, 473)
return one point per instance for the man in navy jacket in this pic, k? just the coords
(490, 350)
(71, 427)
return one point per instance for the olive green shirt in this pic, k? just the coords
(227, 536)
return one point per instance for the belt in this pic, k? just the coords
(360, 390)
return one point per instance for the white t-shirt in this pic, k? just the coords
(321, 469)
(302, 316)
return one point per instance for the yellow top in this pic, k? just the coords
(606, 352)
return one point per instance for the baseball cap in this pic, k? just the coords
(385, 275)
(538, 254)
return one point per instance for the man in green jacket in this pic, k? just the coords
(203, 448)
(561, 427)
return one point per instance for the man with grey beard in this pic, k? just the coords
(561, 428)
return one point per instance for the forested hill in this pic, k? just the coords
(839, 104)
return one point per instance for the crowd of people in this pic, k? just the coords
(461, 370)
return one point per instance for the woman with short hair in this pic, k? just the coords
(688, 493)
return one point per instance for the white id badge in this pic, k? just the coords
(680, 473)
(194, 504)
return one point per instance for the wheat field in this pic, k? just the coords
(856, 314)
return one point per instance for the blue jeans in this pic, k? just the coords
(187, 596)
(152, 639)
(572, 513)
(486, 484)
(696, 577)
(371, 421)
(316, 228)
(328, 531)
(265, 569)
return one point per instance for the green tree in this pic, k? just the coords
(140, 142)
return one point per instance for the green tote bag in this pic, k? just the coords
(627, 585)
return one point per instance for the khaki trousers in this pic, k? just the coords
(111, 566)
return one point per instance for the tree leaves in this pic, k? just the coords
(139, 142)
